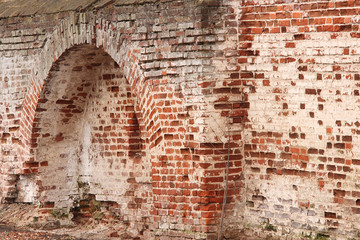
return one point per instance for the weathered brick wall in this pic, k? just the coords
(87, 138)
(157, 97)
(151, 135)
(299, 60)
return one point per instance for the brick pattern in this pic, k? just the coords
(174, 114)
(87, 137)
(189, 144)
(300, 61)
(270, 87)
(18, 40)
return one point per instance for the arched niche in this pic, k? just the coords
(88, 138)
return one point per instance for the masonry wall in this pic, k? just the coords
(300, 63)
(132, 104)
(87, 139)
(185, 89)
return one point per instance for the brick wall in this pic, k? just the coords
(145, 104)
(299, 61)
(122, 104)
(87, 138)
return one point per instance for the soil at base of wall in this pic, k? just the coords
(19, 221)
(25, 221)
(11, 233)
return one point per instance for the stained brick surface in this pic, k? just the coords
(123, 105)
(300, 139)
(143, 103)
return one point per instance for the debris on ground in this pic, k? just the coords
(27, 222)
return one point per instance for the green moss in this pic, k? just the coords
(270, 227)
(97, 215)
(321, 236)
(82, 185)
(95, 206)
(59, 213)
(308, 235)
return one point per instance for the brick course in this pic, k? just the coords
(300, 140)
(118, 104)
(142, 104)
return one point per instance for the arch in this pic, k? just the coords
(178, 193)
(88, 140)
(143, 126)
(125, 53)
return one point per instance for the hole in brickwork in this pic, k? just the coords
(88, 137)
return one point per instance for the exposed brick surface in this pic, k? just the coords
(143, 104)
(300, 141)
(123, 104)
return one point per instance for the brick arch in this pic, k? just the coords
(88, 140)
(125, 52)
(180, 192)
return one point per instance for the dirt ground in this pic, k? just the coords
(27, 222)
(10, 233)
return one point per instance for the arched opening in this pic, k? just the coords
(88, 141)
